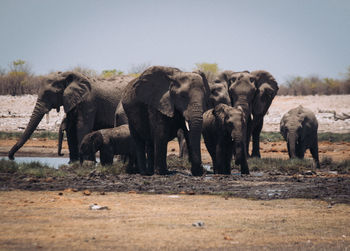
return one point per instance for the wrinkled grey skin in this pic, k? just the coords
(157, 105)
(63, 127)
(299, 128)
(110, 142)
(267, 89)
(218, 95)
(89, 105)
(222, 133)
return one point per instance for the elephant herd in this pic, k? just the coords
(139, 118)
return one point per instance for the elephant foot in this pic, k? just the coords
(163, 172)
(245, 171)
(197, 171)
(255, 155)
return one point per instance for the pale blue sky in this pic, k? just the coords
(286, 38)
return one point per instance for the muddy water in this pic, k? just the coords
(50, 161)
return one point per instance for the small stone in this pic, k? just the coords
(87, 192)
(60, 193)
(102, 193)
(198, 224)
(132, 191)
(97, 207)
(227, 238)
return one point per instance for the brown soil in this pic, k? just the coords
(157, 212)
(48, 148)
(62, 221)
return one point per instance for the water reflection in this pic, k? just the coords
(50, 161)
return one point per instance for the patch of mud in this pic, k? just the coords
(324, 185)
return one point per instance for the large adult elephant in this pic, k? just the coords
(89, 105)
(299, 128)
(158, 103)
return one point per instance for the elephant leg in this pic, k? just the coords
(106, 157)
(212, 151)
(186, 143)
(72, 141)
(248, 135)
(160, 151)
(244, 166)
(256, 138)
(130, 168)
(139, 151)
(183, 150)
(227, 159)
(300, 150)
(314, 153)
(220, 159)
(150, 157)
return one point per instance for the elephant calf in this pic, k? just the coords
(299, 128)
(110, 142)
(224, 130)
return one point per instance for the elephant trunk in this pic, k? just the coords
(38, 113)
(292, 143)
(195, 131)
(60, 140)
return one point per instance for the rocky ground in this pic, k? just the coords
(330, 112)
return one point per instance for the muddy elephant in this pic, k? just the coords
(299, 128)
(110, 142)
(223, 133)
(158, 103)
(89, 105)
(61, 130)
(218, 95)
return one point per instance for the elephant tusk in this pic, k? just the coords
(187, 126)
(47, 118)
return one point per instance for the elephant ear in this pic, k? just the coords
(225, 76)
(220, 113)
(262, 77)
(152, 88)
(97, 141)
(78, 87)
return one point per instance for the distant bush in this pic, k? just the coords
(210, 69)
(19, 80)
(297, 86)
(110, 73)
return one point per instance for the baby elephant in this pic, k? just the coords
(224, 132)
(299, 129)
(110, 142)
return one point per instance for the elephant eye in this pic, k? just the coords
(252, 80)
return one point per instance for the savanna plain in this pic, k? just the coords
(282, 205)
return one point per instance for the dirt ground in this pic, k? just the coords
(63, 221)
(271, 211)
